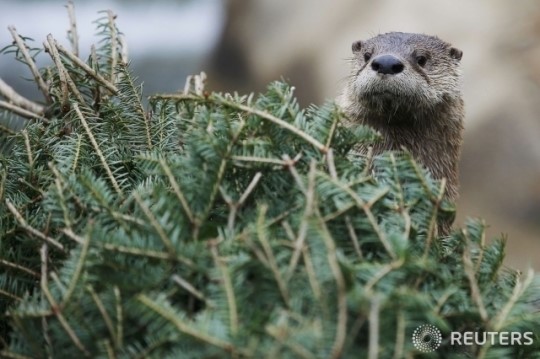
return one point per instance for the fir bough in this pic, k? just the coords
(216, 225)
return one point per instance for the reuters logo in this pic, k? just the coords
(427, 338)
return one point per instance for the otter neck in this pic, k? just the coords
(433, 138)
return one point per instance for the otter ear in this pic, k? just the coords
(456, 53)
(357, 46)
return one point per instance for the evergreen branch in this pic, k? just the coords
(19, 267)
(367, 210)
(77, 153)
(6, 130)
(228, 287)
(310, 269)
(106, 318)
(432, 228)
(261, 234)
(58, 183)
(302, 232)
(332, 131)
(98, 150)
(235, 206)
(78, 270)
(497, 323)
(10, 295)
(331, 250)
(20, 101)
(31, 229)
(178, 192)
(442, 299)
(482, 245)
(149, 349)
(96, 76)
(130, 250)
(422, 179)
(30, 63)
(475, 290)
(186, 328)
(281, 336)
(64, 323)
(219, 178)
(156, 225)
(72, 32)
(267, 116)
(383, 272)
(253, 111)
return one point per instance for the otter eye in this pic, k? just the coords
(367, 56)
(421, 60)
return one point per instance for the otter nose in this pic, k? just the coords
(387, 64)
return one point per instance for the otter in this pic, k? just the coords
(408, 88)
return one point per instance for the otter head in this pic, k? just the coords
(400, 75)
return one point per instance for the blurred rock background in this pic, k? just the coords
(244, 44)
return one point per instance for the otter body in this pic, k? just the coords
(407, 86)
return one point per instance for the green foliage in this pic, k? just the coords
(218, 225)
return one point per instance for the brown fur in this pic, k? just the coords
(419, 109)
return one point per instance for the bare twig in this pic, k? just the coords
(20, 101)
(53, 51)
(19, 267)
(354, 237)
(30, 62)
(189, 287)
(114, 46)
(21, 111)
(373, 346)
(107, 84)
(72, 32)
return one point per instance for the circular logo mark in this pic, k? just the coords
(427, 338)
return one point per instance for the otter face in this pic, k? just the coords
(404, 73)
